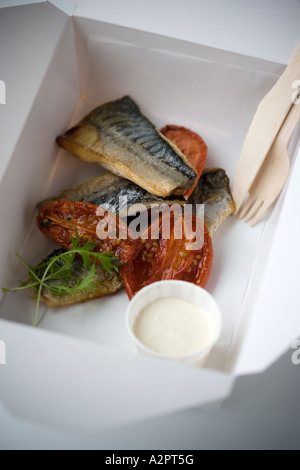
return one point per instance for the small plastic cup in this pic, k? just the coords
(181, 290)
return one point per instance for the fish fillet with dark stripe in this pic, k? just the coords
(213, 190)
(118, 195)
(122, 140)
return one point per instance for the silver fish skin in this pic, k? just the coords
(118, 195)
(119, 137)
(213, 190)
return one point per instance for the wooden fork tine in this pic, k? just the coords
(274, 172)
(247, 206)
(260, 213)
(268, 203)
(253, 210)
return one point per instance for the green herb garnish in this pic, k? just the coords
(59, 269)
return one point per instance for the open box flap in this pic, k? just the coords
(45, 106)
(83, 387)
(28, 58)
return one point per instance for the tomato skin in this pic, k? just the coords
(146, 260)
(192, 146)
(166, 259)
(61, 219)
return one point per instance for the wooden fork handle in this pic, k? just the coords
(279, 147)
(289, 125)
(265, 126)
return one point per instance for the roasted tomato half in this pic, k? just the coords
(193, 147)
(61, 219)
(180, 256)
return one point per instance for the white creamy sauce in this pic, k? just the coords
(174, 327)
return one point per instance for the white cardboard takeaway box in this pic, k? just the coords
(78, 370)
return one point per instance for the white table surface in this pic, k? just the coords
(263, 411)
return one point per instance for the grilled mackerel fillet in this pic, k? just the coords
(118, 195)
(122, 140)
(213, 190)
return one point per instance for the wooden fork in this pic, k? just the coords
(274, 172)
(267, 122)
